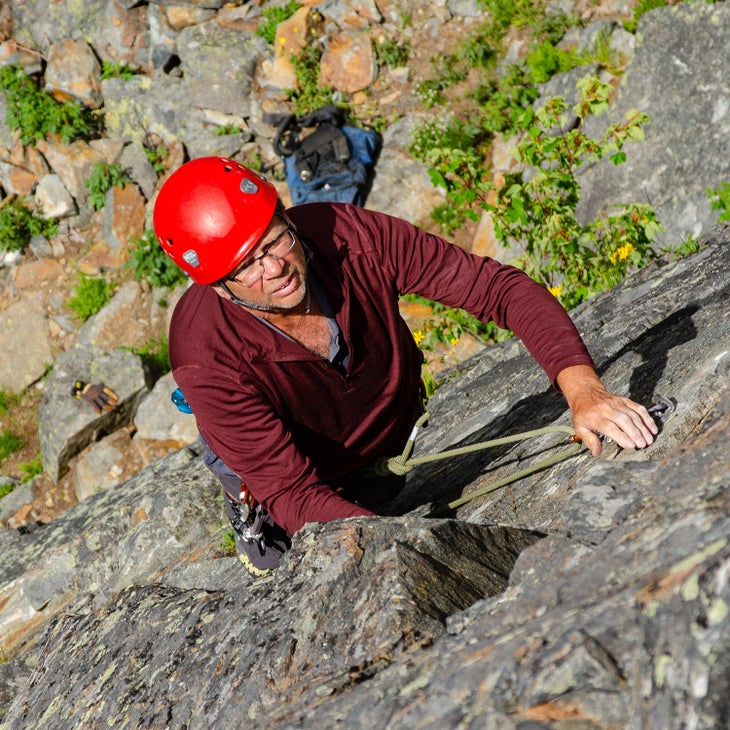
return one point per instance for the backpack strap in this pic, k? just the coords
(330, 113)
(288, 126)
(286, 138)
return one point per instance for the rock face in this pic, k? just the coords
(595, 592)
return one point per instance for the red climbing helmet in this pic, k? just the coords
(210, 213)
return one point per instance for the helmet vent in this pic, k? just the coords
(169, 242)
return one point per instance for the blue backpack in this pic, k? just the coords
(333, 162)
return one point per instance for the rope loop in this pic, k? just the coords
(403, 463)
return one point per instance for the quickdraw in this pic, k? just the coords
(403, 463)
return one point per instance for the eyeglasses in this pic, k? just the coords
(248, 273)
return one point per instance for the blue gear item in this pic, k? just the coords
(178, 399)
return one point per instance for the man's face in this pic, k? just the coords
(273, 276)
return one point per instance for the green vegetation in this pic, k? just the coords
(116, 70)
(31, 469)
(157, 156)
(7, 401)
(309, 95)
(228, 542)
(19, 223)
(255, 161)
(9, 441)
(536, 213)
(643, 6)
(392, 53)
(534, 210)
(102, 179)
(689, 246)
(5, 489)
(720, 200)
(445, 326)
(151, 263)
(155, 356)
(546, 60)
(36, 114)
(91, 294)
(9, 444)
(272, 17)
(222, 131)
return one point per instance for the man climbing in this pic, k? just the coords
(291, 351)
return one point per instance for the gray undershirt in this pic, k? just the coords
(339, 355)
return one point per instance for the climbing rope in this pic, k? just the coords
(403, 463)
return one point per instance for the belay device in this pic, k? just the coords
(334, 162)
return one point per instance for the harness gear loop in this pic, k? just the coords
(248, 520)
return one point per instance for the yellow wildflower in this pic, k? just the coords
(623, 252)
(556, 291)
(418, 336)
(453, 341)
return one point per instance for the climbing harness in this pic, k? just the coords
(403, 463)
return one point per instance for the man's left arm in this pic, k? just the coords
(437, 269)
(597, 412)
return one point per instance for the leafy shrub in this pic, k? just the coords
(18, 224)
(446, 326)
(272, 17)
(36, 114)
(535, 209)
(91, 294)
(103, 178)
(446, 142)
(151, 263)
(546, 60)
(309, 95)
